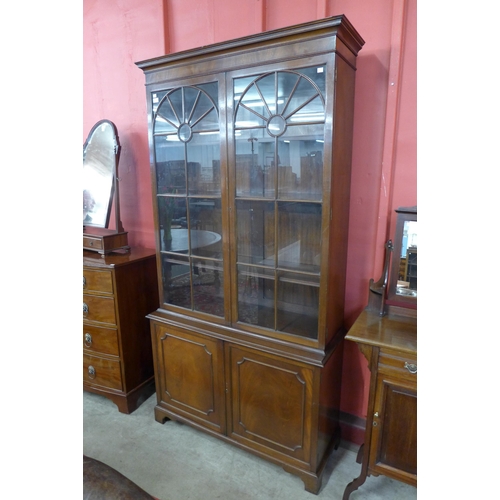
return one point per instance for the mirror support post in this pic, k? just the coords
(376, 299)
(116, 195)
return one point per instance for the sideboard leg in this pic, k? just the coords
(362, 459)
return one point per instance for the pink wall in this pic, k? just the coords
(117, 34)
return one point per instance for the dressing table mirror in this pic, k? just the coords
(403, 277)
(101, 153)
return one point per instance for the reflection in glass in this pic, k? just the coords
(187, 150)
(255, 231)
(299, 236)
(407, 275)
(256, 296)
(295, 96)
(279, 133)
(208, 285)
(177, 281)
(298, 304)
(255, 164)
(203, 156)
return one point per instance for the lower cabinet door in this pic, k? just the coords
(190, 376)
(271, 403)
(394, 437)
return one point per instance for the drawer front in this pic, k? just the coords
(400, 365)
(97, 281)
(92, 243)
(102, 372)
(101, 309)
(100, 340)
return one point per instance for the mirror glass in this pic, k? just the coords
(403, 276)
(407, 275)
(100, 159)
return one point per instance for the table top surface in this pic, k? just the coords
(396, 332)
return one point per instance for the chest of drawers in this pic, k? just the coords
(118, 292)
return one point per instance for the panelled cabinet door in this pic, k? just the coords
(271, 403)
(394, 441)
(190, 376)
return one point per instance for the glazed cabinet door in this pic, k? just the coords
(271, 407)
(393, 450)
(189, 374)
(276, 164)
(189, 199)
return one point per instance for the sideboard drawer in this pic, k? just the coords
(398, 365)
(97, 281)
(101, 371)
(100, 340)
(101, 309)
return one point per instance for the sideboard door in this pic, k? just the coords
(393, 450)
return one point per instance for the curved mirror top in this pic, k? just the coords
(100, 160)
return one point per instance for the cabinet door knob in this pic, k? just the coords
(85, 309)
(375, 414)
(91, 372)
(88, 340)
(84, 282)
(411, 367)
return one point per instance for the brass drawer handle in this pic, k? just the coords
(411, 367)
(85, 309)
(88, 340)
(91, 372)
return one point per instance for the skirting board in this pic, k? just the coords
(352, 431)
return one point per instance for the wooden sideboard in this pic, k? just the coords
(119, 290)
(389, 343)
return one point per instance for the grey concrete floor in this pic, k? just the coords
(175, 462)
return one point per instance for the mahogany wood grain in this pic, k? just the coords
(262, 370)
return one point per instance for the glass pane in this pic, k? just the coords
(317, 74)
(176, 281)
(304, 103)
(200, 111)
(170, 166)
(205, 217)
(165, 120)
(298, 304)
(286, 84)
(254, 164)
(300, 160)
(251, 108)
(299, 236)
(208, 286)
(205, 243)
(255, 232)
(256, 296)
(171, 217)
(312, 111)
(203, 155)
